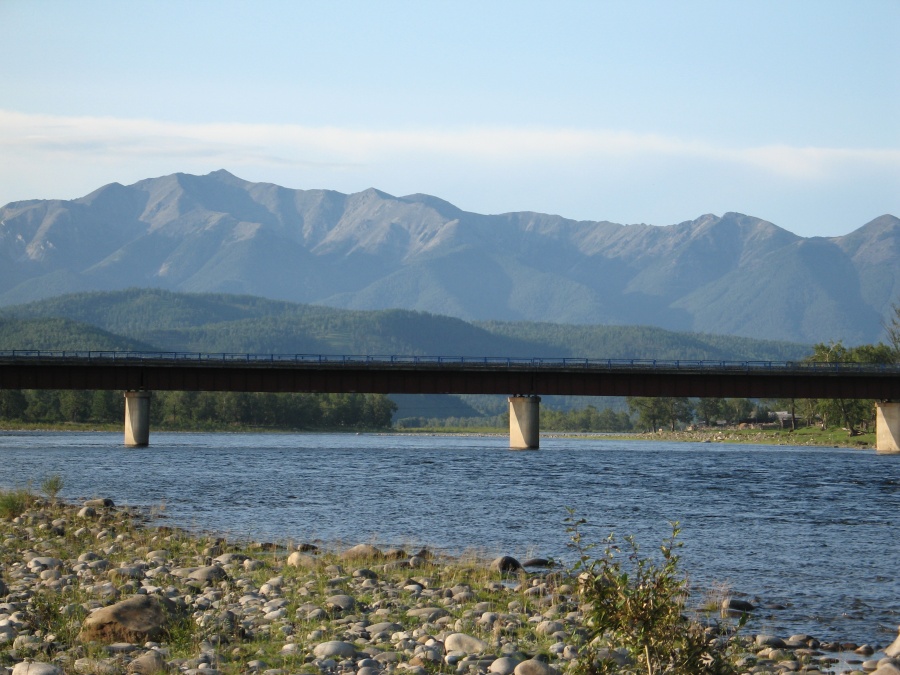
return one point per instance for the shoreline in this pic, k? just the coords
(275, 608)
(801, 438)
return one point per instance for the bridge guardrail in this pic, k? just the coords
(356, 360)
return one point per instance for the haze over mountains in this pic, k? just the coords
(733, 274)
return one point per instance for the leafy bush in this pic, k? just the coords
(638, 605)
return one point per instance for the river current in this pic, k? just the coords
(812, 535)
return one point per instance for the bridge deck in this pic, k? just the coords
(444, 375)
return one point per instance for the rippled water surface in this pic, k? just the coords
(816, 531)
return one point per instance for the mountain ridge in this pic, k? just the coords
(370, 250)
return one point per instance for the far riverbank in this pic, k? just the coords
(803, 437)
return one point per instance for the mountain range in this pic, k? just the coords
(732, 274)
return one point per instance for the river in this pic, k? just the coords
(809, 534)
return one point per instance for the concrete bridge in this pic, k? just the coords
(524, 380)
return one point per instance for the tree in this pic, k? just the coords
(851, 413)
(677, 410)
(648, 410)
(75, 406)
(710, 409)
(736, 410)
(652, 412)
(106, 406)
(12, 404)
(43, 406)
(892, 331)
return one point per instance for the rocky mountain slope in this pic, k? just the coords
(732, 274)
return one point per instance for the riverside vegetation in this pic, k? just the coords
(96, 589)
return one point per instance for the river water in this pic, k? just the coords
(812, 535)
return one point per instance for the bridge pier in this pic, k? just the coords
(137, 419)
(524, 422)
(887, 427)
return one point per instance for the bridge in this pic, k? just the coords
(523, 380)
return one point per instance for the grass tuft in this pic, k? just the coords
(14, 503)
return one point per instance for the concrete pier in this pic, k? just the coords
(887, 427)
(524, 422)
(137, 419)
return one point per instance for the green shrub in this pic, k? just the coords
(639, 605)
(14, 502)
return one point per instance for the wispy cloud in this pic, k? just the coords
(286, 145)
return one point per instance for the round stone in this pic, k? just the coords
(505, 665)
(334, 648)
(35, 668)
(460, 642)
(534, 667)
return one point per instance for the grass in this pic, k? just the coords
(51, 486)
(13, 503)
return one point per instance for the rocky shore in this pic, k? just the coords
(94, 589)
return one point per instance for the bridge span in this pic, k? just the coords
(524, 380)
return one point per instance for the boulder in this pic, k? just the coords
(505, 665)
(736, 605)
(334, 648)
(299, 559)
(534, 667)
(209, 574)
(427, 613)
(460, 642)
(138, 619)
(148, 663)
(505, 564)
(894, 649)
(383, 627)
(340, 602)
(362, 551)
(537, 562)
(87, 666)
(549, 627)
(105, 503)
(884, 669)
(35, 668)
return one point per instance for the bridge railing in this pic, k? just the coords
(413, 361)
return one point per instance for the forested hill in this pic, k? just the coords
(162, 320)
(65, 334)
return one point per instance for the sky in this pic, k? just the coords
(634, 112)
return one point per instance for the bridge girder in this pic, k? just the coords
(451, 379)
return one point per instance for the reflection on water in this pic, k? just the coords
(812, 530)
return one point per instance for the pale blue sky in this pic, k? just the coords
(653, 112)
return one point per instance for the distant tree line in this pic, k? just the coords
(201, 410)
(586, 419)
(855, 415)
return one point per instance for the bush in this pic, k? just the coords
(638, 605)
(14, 502)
